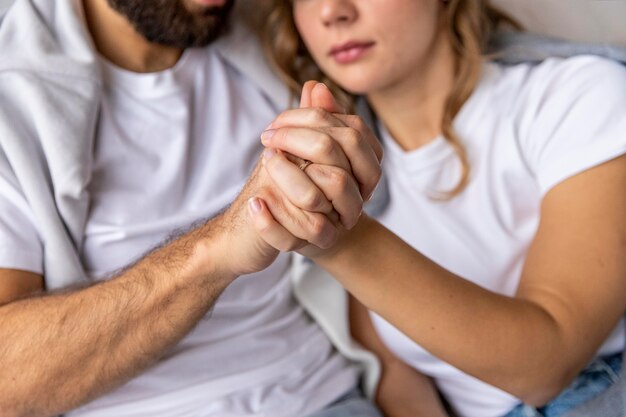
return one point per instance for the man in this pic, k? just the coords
(118, 127)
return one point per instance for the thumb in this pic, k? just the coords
(323, 98)
(305, 99)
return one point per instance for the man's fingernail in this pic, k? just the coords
(254, 204)
(268, 153)
(268, 135)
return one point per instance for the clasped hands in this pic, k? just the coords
(325, 164)
(318, 168)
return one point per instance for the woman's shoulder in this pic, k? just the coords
(565, 115)
(582, 77)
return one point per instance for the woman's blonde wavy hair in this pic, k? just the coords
(469, 24)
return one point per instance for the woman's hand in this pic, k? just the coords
(339, 146)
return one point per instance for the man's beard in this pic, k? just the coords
(173, 23)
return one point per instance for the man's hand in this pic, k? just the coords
(244, 243)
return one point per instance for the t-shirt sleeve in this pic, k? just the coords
(579, 118)
(20, 243)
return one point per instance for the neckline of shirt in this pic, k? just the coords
(153, 84)
(438, 149)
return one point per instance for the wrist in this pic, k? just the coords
(348, 244)
(231, 247)
(210, 254)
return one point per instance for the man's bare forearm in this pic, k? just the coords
(60, 350)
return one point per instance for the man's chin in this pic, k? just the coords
(176, 23)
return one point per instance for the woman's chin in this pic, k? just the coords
(361, 82)
(358, 88)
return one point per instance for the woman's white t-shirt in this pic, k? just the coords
(526, 128)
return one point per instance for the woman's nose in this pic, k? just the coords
(337, 12)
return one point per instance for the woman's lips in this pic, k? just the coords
(350, 51)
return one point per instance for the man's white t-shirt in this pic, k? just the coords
(526, 129)
(173, 148)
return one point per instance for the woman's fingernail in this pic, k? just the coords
(268, 154)
(254, 204)
(267, 135)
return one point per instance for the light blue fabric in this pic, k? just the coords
(601, 374)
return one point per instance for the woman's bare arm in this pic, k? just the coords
(572, 291)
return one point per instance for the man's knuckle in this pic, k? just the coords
(310, 199)
(339, 179)
(319, 115)
(324, 145)
(354, 138)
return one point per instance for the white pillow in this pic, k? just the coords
(600, 21)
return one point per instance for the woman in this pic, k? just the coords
(499, 267)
